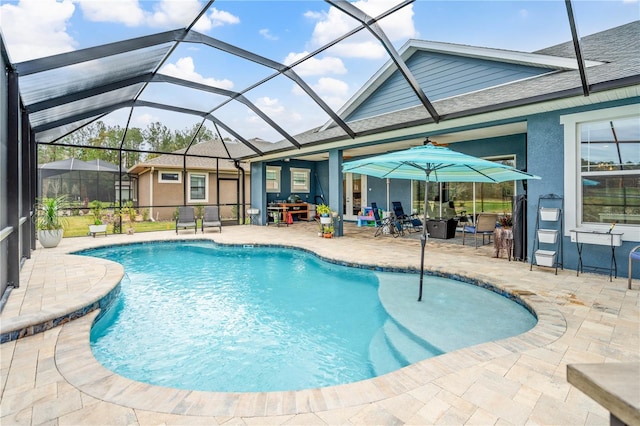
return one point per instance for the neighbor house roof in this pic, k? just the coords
(201, 157)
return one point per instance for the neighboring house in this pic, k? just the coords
(540, 111)
(167, 181)
(83, 181)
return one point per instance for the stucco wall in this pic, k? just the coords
(546, 159)
(166, 196)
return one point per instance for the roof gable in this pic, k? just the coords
(446, 70)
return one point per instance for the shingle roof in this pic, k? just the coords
(199, 159)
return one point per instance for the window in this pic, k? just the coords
(300, 180)
(458, 197)
(602, 169)
(273, 179)
(198, 187)
(169, 177)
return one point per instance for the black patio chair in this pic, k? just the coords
(409, 222)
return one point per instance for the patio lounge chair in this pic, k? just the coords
(485, 225)
(408, 222)
(211, 218)
(186, 218)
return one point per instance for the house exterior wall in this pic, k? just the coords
(441, 76)
(167, 196)
(285, 180)
(546, 159)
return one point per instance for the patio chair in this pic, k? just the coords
(633, 255)
(398, 211)
(383, 225)
(408, 222)
(211, 218)
(186, 218)
(485, 225)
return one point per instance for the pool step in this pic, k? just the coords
(382, 357)
(409, 348)
(392, 348)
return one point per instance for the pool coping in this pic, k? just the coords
(75, 361)
(102, 293)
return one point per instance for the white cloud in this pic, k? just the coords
(267, 34)
(215, 18)
(328, 85)
(164, 14)
(36, 28)
(185, 69)
(127, 12)
(270, 106)
(333, 91)
(143, 120)
(315, 66)
(524, 13)
(334, 23)
(172, 14)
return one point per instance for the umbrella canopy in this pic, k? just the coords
(434, 164)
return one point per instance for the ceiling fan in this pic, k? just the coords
(434, 143)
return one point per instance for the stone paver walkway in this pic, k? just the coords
(52, 378)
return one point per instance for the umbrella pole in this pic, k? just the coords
(423, 237)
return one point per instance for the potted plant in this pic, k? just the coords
(49, 221)
(98, 225)
(328, 231)
(324, 211)
(505, 221)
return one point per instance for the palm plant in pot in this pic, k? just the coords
(49, 221)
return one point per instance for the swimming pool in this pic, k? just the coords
(207, 317)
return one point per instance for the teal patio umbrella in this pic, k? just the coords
(433, 164)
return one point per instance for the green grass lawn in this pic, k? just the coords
(78, 226)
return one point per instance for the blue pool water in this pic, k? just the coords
(206, 317)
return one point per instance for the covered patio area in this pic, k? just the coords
(52, 376)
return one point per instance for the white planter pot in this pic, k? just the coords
(602, 238)
(547, 236)
(549, 214)
(545, 258)
(326, 220)
(50, 239)
(97, 229)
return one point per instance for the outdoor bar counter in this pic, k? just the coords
(615, 386)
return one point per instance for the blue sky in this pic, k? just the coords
(284, 31)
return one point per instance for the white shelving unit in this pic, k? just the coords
(547, 244)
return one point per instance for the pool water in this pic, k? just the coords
(199, 316)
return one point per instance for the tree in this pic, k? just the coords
(159, 138)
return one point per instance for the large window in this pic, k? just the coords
(198, 187)
(273, 179)
(300, 180)
(610, 161)
(602, 152)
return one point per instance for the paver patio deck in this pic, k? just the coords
(52, 377)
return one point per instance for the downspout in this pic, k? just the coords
(236, 163)
(151, 193)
